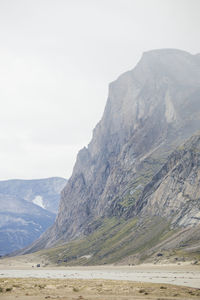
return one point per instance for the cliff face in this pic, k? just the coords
(150, 110)
(174, 192)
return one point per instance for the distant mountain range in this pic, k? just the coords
(27, 209)
(134, 192)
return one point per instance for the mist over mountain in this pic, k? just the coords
(133, 178)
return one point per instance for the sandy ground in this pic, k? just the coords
(76, 289)
(162, 274)
(21, 279)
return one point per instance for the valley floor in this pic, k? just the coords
(95, 289)
(20, 278)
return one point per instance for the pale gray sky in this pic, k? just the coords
(57, 58)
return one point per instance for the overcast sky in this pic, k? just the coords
(57, 58)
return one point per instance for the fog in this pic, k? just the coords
(56, 61)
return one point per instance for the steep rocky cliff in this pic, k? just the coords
(174, 192)
(163, 224)
(149, 112)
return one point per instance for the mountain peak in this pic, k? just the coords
(166, 52)
(149, 112)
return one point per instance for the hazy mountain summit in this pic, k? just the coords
(150, 111)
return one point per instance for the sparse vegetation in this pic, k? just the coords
(92, 289)
(114, 240)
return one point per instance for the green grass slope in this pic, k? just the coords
(113, 240)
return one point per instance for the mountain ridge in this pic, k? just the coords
(47, 189)
(28, 208)
(150, 111)
(147, 235)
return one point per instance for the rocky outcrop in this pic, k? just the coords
(150, 110)
(174, 192)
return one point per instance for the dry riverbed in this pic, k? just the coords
(21, 279)
(97, 289)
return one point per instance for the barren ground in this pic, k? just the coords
(66, 283)
(76, 289)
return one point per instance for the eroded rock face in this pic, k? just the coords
(174, 191)
(150, 110)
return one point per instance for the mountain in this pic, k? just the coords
(174, 192)
(21, 222)
(42, 192)
(124, 195)
(28, 208)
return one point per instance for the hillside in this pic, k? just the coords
(43, 192)
(161, 230)
(28, 208)
(119, 200)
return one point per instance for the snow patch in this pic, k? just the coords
(170, 113)
(86, 256)
(38, 200)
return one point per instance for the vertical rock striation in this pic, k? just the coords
(150, 110)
